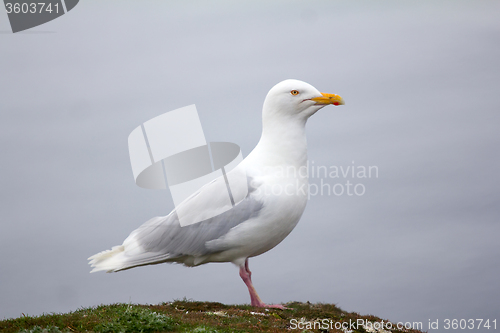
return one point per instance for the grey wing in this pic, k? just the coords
(164, 236)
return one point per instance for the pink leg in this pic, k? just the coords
(246, 276)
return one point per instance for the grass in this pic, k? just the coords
(191, 316)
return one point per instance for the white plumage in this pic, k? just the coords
(277, 197)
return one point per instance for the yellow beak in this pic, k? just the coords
(328, 99)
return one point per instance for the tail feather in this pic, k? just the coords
(129, 254)
(108, 260)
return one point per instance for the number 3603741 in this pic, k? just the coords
(31, 8)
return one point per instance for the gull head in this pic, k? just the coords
(296, 99)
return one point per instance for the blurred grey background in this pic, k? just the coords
(421, 81)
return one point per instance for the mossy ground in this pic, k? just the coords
(188, 316)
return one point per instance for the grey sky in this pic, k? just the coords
(421, 81)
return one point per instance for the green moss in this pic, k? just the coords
(136, 320)
(38, 329)
(183, 316)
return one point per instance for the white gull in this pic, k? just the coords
(277, 196)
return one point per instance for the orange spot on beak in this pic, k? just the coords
(326, 99)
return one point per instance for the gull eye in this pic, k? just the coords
(294, 92)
